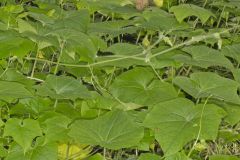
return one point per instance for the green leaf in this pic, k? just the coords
(76, 20)
(114, 130)
(178, 156)
(42, 152)
(97, 156)
(138, 86)
(236, 74)
(9, 14)
(45, 152)
(149, 156)
(205, 57)
(1, 123)
(55, 127)
(37, 33)
(76, 43)
(13, 90)
(183, 11)
(16, 153)
(3, 151)
(205, 84)
(233, 112)
(124, 63)
(157, 19)
(69, 110)
(41, 17)
(124, 49)
(178, 121)
(14, 45)
(27, 130)
(99, 43)
(113, 28)
(148, 139)
(31, 106)
(229, 135)
(62, 87)
(232, 51)
(223, 157)
(14, 75)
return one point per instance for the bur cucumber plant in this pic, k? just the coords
(119, 80)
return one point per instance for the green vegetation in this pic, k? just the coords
(102, 80)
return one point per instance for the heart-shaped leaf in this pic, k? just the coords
(27, 130)
(114, 130)
(232, 51)
(124, 49)
(13, 90)
(62, 87)
(179, 121)
(183, 11)
(205, 57)
(55, 127)
(205, 84)
(12, 44)
(149, 156)
(138, 86)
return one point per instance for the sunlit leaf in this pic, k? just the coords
(55, 127)
(149, 156)
(27, 130)
(205, 57)
(13, 90)
(12, 44)
(62, 87)
(178, 121)
(232, 51)
(183, 11)
(207, 84)
(138, 86)
(114, 130)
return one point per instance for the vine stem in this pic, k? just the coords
(55, 104)
(35, 79)
(100, 88)
(104, 153)
(189, 42)
(220, 18)
(193, 40)
(67, 151)
(86, 65)
(205, 3)
(35, 63)
(200, 126)
(59, 58)
(154, 70)
(9, 61)
(136, 152)
(56, 69)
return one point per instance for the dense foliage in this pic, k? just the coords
(100, 79)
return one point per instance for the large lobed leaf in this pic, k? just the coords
(62, 87)
(55, 127)
(12, 44)
(114, 130)
(178, 121)
(207, 84)
(183, 11)
(138, 86)
(204, 57)
(13, 90)
(232, 51)
(27, 130)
